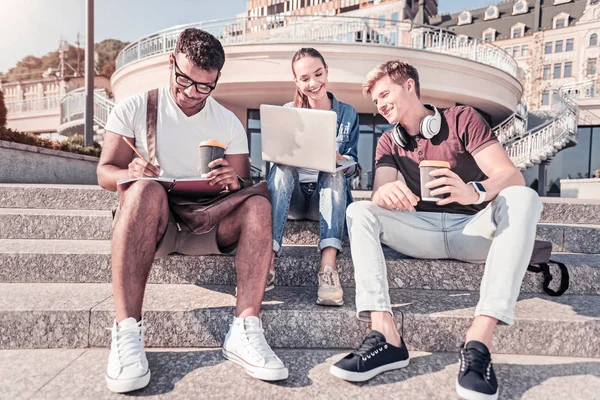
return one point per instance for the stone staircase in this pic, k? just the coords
(55, 290)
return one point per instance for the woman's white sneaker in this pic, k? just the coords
(245, 344)
(127, 368)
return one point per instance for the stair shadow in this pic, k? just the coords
(312, 368)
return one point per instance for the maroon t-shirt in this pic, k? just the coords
(463, 134)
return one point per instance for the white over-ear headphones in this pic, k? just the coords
(429, 127)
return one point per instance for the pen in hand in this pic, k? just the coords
(140, 167)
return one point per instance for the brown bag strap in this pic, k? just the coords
(151, 120)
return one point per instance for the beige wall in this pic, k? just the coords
(41, 122)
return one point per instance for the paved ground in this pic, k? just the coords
(204, 374)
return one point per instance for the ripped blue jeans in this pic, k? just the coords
(323, 201)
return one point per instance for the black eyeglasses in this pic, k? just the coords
(186, 82)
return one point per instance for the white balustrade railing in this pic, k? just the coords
(548, 138)
(72, 106)
(514, 127)
(339, 29)
(16, 108)
(582, 90)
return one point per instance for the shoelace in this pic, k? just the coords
(258, 344)
(329, 278)
(475, 361)
(129, 344)
(366, 348)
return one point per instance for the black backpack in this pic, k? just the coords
(540, 260)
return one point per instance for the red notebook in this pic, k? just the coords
(184, 186)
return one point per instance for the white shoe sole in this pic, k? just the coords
(467, 394)
(365, 376)
(330, 302)
(264, 374)
(128, 385)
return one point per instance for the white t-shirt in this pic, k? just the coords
(177, 135)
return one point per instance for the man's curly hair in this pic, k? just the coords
(202, 49)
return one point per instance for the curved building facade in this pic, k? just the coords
(453, 71)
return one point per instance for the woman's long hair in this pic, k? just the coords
(300, 99)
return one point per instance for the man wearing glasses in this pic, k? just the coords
(144, 228)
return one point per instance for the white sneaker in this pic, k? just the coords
(127, 368)
(245, 344)
(330, 291)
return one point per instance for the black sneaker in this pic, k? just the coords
(476, 378)
(373, 357)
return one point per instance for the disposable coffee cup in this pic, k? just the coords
(426, 167)
(209, 150)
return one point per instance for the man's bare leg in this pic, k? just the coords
(143, 219)
(250, 226)
(382, 321)
(482, 330)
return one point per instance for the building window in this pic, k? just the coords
(569, 46)
(515, 52)
(568, 69)
(546, 71)
(557, 68)
(558, 46)
(591, 66)
(545, 98)
(491, 13)
(548, 48)
(394, 18)
(517, 32)
(381, 21)
(560, 23)
(561, 20)
(489, 35)
(594, 39)
(520, 7)
(465, 18)
(524, 50)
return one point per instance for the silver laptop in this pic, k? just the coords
(300, 137)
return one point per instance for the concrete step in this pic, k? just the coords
(87, 197)
(192, 373)
(88, 261)
(77, 315)
(24, 223)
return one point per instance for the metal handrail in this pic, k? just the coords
(72, 106)
(338, 29)
(545, 140)
(32, 105)
(581, 90)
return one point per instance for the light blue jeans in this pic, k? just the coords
(502, 235)
(323, 201)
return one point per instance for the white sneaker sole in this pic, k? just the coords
(128, 385)
(264, 374)
(467, 394)
(365, 376)
(330, 302)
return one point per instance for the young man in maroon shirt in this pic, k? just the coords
(487, 215)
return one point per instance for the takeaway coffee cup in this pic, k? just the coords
(426, 167)
(209, 150)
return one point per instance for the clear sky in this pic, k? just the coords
(36, 26)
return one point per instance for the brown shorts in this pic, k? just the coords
(176, 239)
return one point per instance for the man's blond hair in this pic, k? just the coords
(398, 71)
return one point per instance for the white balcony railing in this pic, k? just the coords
(17, 108)
(339, 29)
(582, 90)
(72, 107)
(546, 140)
